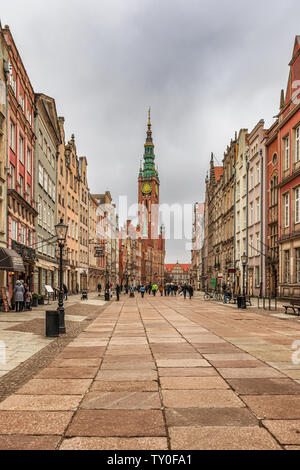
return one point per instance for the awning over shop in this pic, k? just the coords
(11, 261)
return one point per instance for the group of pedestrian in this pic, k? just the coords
(22, 296)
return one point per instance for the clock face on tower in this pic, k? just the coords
(147, 188)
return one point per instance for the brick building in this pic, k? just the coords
(153, 242)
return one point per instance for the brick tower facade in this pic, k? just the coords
(153, 243)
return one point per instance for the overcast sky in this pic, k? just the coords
(206, 67)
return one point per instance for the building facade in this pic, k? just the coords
(83, 241)
(178, 273)
(45, 191)
(21, 209)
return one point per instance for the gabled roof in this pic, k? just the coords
(170, 267)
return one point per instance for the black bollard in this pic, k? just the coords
(52, 323)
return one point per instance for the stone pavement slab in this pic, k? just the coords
(115, 443)
(41, 402)
(110, 423)
(274, 406)
(20, 442)
(121, 400)
(193, 383)
(67, 373)
(265, 386)
(287, 432)
(200, 399)
(55, 387)
(210, 417)
(222, 438)
(34, 422)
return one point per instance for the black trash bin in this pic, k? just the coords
(52, 323)
(107, 296)
(239, 301)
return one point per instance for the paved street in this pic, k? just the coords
(164, 373)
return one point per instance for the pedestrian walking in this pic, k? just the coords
(65, 289)
(118, 292)
(99, 287)
(142, 291)
(154, 289)
(19, 292)
(161, 290)
(184, 289)
(191, 291)
(28, 299)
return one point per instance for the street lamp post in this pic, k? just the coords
(244, 263)
(61, 232)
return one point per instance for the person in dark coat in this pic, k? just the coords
(118, 292)
(191, 291)
(65, 289)
(19, 293)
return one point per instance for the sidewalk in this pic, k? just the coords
(162, 373)
(17, 330)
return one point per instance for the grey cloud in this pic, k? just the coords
(207, 68)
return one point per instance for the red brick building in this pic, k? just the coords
(153, 242)
(21, 141)
(283, 144)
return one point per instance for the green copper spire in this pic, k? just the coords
(149, 169)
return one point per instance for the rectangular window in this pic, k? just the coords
(13, 83)
(40, 211)
(287, 210)
(41, 139)
(297, 205)
(29, 116)
(251, 213)
(297, 264)
(12, 136)
(257, 209)
(21, 181)
(28, 160)
(251, 178)
(251, 245)
(12, 177)
(45, 181)
(14, 230)
(30, 238)
(286, 260)
(286, 146)
(257, 244)
(41, 175)
(257, 279)
(257, 173)
(21, 149)
(21, 101)
(297, 145)
(23, 235)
